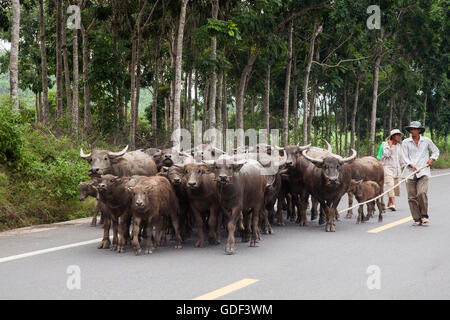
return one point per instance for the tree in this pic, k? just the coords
(14, 55)
(43, 63)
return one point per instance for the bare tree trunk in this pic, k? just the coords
(196, 96)
(133, 93)
(245, 75)
(424, 109)
(43, 62)
(373, 118)
(75, 81)
(86, 99)
(286, 89)
(178, 60)
(189, 102)
(295, 100)
(345, 119)
(312, 108)
(66, 61)
(219, 103)
(213, 77)
(205, 105)
(317, 30)
(391, 108)
(40, 106)
(14, 55)
(184, 112)
(225, 104)
(166, 113)
(59, 83)
(36, 109)
(355, 109)
(266, 104)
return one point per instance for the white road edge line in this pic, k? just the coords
(38, 252)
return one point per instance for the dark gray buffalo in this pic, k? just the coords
(328, 179)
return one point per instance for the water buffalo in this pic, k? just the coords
(240, 187)
(328, 179)
(363, 191)
(153, 202)
(120, 163)
(167, 157)
(366, 169)
(87, 189)
(115, 201)
(201, 192)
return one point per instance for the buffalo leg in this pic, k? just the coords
(302, 206)
(106, 242)
(314, 212)
(94, 218)
(350, 204)
(149, 228)
(231, 227)
(280, 204)
(115, 226)
(360, 214)
(255, 227)
(136, 229)
(322, 218)
(199, 222)
(212, 224)
(330, 212)
(380, 210)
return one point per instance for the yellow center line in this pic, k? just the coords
(390, 225)
(227, 289)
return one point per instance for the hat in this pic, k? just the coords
(395, 131)
(416, 125)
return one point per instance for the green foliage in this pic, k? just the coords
(39, 174)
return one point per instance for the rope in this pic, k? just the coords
(400, 182)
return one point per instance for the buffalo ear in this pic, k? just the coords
(131, 189)
(237, 166)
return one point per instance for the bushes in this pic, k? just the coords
(39, 175)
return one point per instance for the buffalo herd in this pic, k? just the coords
(148, 194)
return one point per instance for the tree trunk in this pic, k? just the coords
(295, 99)
(317, 30)
(66, 61)
(245, 76)
(59, 83)
(86, 99)
(36, 109)
(225, 104)
(312, 108)
(373, 118)
(196, 96)
(355, 109)
(286, 89)
(219, 103)
(178, 61)
(75, 81)
(189, 102)
(424, 109)
(213, 77)
(345, 119)
(43, 63)
(391, 108)
(266, 105)
(14, 55)
(40, 106)
(133, 93)
(205, 105)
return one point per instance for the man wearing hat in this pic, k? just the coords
(416, 151)
(392, 160)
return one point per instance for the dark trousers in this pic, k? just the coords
(417, 197)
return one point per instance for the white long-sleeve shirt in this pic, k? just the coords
(392, 159)
(418, 155)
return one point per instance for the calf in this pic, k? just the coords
(87, 189)
(363, 191)
(366, 169)
(153, 202)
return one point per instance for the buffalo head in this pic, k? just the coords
(100, 160)
(330, 165)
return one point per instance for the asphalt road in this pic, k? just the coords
(401, 262)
